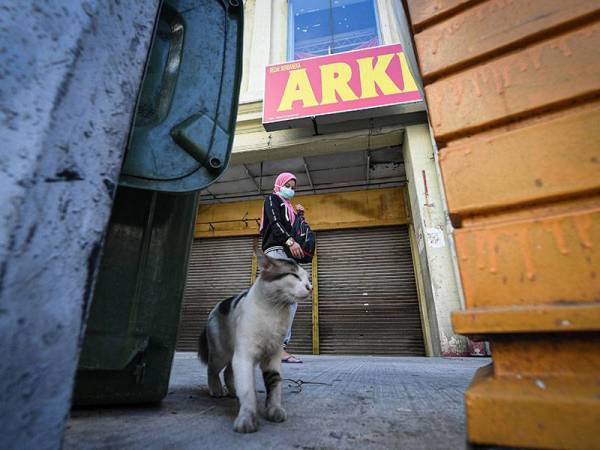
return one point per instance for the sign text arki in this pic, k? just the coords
(342, 82)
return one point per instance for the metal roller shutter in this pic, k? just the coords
(367, 294)
(218, 268)
(301, 341)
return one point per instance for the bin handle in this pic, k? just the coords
(175, 21)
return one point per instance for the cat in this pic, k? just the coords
(248, 329)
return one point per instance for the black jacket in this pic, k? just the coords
(277, 227)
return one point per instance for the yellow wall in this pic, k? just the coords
(367, 208)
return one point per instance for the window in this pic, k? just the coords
(323, 27)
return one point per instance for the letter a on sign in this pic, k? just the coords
(297, 88)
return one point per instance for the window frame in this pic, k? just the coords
(291, 44)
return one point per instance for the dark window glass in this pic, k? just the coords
(323, 27)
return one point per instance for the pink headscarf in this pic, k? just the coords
(280, 181)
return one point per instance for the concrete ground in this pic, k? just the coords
(359, 403)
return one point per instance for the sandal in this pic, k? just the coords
(291, 360)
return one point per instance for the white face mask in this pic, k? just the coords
(286, 192)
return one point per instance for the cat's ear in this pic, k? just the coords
(263, 260)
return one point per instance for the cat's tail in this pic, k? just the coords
(203, 346)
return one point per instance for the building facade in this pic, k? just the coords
(385, 273)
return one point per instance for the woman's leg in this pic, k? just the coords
(288, 336)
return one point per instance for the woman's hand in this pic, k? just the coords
(296, 250)
(299, 207)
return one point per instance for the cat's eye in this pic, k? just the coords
(283, 275)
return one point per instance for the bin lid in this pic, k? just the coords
(185, 118)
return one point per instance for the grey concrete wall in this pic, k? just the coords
(69, 76)
(442, 288)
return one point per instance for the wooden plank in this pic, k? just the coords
(545, 159)
(341, 210)
(527, 319)
(424, 12)
(538, 256)
(546, 410)
(562, 354)
(544, 75)
(492, 27)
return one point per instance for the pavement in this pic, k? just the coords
(333, 402)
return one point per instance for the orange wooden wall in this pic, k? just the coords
(513, 92)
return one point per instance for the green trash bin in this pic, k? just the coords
(180, 143)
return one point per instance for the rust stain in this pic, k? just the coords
(536, 57)
(583, 223)
(480, 243)
(487, 250)
(555, 228)
(483, 75)
(457, 24)
(563, 45)
(459, 92)
(435, 42)
(475, 82)
(587, 32)
(523, 64)
(468, 279)
(493, 250)
(506, 79)
(498, 82)
(522, 236)
(448, 30)
(438, 100)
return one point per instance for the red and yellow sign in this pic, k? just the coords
(342, 82)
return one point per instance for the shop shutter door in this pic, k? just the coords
(218, 268)
(301, 341)
(367, 294)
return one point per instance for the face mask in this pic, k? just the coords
(286, 192)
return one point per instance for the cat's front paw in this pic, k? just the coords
(245, 423)
(276, 414)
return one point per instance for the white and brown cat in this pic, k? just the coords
(249, 329)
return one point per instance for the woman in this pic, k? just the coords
(276, 230)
